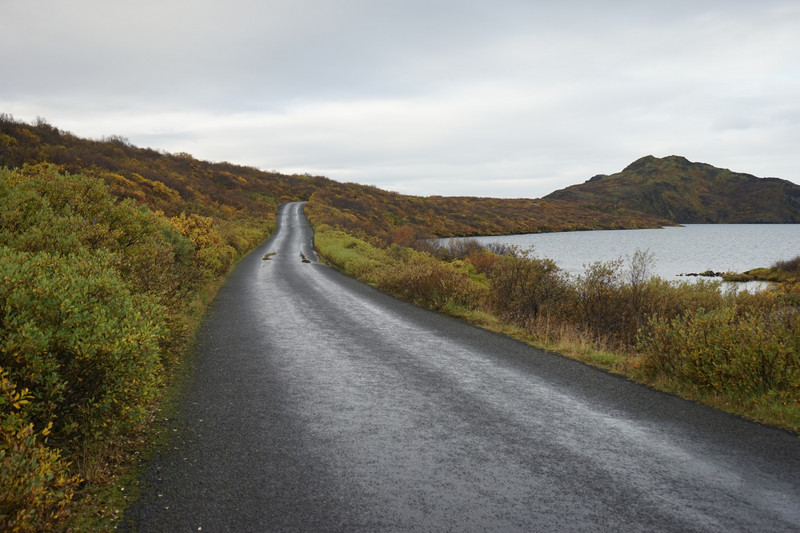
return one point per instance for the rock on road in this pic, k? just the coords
(317, 403)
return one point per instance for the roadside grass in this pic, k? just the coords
(743, 356)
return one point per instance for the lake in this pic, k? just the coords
(676, 250)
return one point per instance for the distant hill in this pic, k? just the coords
(690, 193)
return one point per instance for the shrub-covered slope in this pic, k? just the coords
(175, 183)
(396, 218)
(172, 183)
(690, 193)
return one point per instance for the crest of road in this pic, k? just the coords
(316, 403)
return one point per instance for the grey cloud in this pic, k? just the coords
(506, 98)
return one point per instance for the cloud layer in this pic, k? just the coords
(508, 98)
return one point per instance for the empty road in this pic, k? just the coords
(318, 404)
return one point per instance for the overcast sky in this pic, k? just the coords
(504, 98)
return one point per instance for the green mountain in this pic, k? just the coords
(690, 193)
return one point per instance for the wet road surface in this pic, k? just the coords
(318, 404)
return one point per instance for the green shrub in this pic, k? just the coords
(73, 334)
(524, 287)
(44, 211)
(599, 302)
(428, 282)
(351, 255)
(727, 351)
(35, 482)
(409, 274)
(244, 234)
(215, 257)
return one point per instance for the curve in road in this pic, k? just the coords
(319, 404)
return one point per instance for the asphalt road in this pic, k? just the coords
(318, 404)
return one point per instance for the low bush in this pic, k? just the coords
(790, 266)
(73, 334)
(524, 287)
(743, 355)
(353, 256)
(425, 281)
(600, 303)
(44, 210)
(213, 255)
(36, 484)
(404, 272)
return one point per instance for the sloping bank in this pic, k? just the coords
(98, 298)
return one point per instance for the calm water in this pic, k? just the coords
(681, 250)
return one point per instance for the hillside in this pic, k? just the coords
(395, 218)
(172, 183)
(176, 183)
(691, 193)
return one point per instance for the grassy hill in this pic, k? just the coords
(691, 193)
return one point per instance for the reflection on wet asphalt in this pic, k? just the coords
(319, 404)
